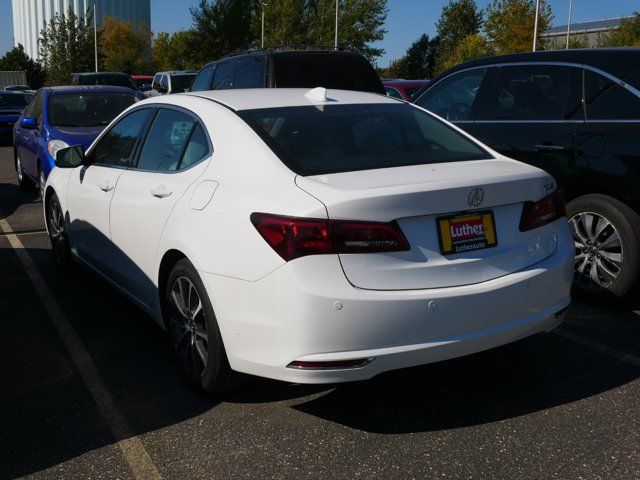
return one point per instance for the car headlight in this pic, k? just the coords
(54, 145)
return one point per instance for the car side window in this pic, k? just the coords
(392, 92)
(606, 100)
(164, 82)
(116, 147)
(453, 98)
(37, 108)
(203, 79)
(250, 72)
(533, 92)
(197, 148)
(166, 141)
(223, 78)
(28, 110)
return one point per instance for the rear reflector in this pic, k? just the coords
(542, 212)
(293, 237)
(337, 365)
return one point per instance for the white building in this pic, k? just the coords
(29, 16)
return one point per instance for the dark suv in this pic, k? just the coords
(290, 69)
(576, 114)
(116, 79)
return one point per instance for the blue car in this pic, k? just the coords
(11, 106)
(57, 117)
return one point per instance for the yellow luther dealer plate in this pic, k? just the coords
(466, 232)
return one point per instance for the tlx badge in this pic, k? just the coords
(475, 198)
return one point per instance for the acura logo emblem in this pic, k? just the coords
(475, 198)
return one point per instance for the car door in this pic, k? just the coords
(91, 187)
(30, 139)
(607, 144)
(532, 112)
(22, 133)
(170, 160)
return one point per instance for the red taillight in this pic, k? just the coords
(293, 237)
(547, 210)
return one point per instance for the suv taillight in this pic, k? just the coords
(547, 210)
(293, 237)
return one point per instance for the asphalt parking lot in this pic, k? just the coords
(89, 390)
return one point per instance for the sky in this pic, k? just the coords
(406, 21)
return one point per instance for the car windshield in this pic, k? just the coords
(316, 140)
(87, 109)
(180, 82)
(12, 101)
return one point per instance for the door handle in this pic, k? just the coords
(161, 192)
(106, 187)
(549, 148)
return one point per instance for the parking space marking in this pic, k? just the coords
(134, 452)
(599, 347)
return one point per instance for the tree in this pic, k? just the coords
(469, 48)
(175, 52)
(509, 24)
(626, 35)
(17, 59)
(125, 47)
(222, 27)
(459, 19)
(284, 23)
(66, 46)
(419, 62)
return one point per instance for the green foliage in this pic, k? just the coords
(174, 52)
(66, 46)
(312, 22)
(626, 35)
(459, 19)
(221, 27)
(509, 24)
(125, 47)
(419, 62)
(17, 60)
(469, 48)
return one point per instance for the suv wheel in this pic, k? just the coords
(607, 240)
(24, 182)
(58, 233)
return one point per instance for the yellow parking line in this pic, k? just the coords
(134, 452)
(616, 353)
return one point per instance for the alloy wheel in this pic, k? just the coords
(188, 327)
(42, 182)
(599, 250)
(57, 232)
(19, 169)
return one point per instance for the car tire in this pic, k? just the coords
(194, 332)
(607, 239)
(41, 182)
(57, 229)
(24, 182)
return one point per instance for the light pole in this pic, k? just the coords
(262, 34)
(335, 41)
(535, 26)
(95, 35)
(569, 22)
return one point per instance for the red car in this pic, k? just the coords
(403, 89)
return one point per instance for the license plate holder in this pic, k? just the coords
(466, 232)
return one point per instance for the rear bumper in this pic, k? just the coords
(307, 311)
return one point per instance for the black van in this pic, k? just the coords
(290, 69)
(576, 114)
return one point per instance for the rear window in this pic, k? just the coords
(316, 140)
(114, 80)
(17, 101)
(87, 109)
(328, 70)
(181, 82)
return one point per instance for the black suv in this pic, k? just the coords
(290, 69)
(576, 114)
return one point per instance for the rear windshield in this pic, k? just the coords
(316, 140)
(87, 109)
(180, 82)
(114, 80)
(12, 101)
(328, 70)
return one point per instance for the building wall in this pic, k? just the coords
(29, 16)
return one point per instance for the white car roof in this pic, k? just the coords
(251, 98)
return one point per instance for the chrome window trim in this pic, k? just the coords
(599, 71)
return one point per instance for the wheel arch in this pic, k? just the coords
(168, 261)
(573, 190)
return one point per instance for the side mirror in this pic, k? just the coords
(29, 123)
(70, 157)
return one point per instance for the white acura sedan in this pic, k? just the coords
(312, 236)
